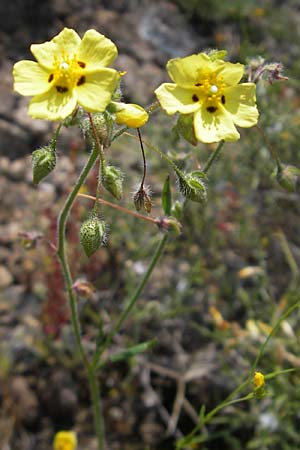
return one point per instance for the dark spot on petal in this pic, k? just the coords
(61, 89)
(81, 64)
(51, 76)
(211, 109)
(81, 81)
(223, 99)
(195, 98)
(198, 84)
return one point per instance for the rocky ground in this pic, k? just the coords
(42, 386)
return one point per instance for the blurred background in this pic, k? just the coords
(220, 286)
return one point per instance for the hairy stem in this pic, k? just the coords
(214, 156)
(61, 252)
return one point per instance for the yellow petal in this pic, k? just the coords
(214, 127)
(185, 71)
(30, 78)
(66, 42)
(240, 102)
(176, 99)
(231, 73)
(95, 93)
(53, 105)
(65, 440)
(96, 51)
(134, 116)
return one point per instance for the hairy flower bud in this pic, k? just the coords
(92, 235)
(192, 186)
(287, 177)
(43, 162)
(112, 180)
(103, 124)
(177, 209)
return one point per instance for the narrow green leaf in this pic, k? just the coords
(133, 351)
(166, 197)
(279, 372)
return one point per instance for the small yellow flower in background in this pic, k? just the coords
(134, 116)
(69, 71)
(208, 88)
(258, 379)
(65, 440)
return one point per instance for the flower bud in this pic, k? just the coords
(43, 162)
(83, 288)
(177, 209)
(131, 115)
(103, 123)
(92, 235)
(192, 186)
(287, 177)
(112, 180)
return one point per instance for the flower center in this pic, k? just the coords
(209, 91)
(67, 73)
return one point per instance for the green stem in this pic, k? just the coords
(131, 303)
(55, 136)
(97, 407)
(213, 157)
(61, 252)
(274, 330)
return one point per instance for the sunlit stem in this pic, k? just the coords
(120, 208)
(213, 157)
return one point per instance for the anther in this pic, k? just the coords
(80, 81)
(211, 109)
(195, 98)
(61, 89)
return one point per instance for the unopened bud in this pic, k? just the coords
(43, 162)
(92, 235)
(103, 126)
(142, 199)
(112, 180)
(192, 186)
(83, 288)
(177, 209)
(169, 224)
(287, 177)
(131, 115)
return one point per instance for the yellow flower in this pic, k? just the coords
(65, 440)
(258, 379)
(69, 71)
(134, 116)
(208, 88)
